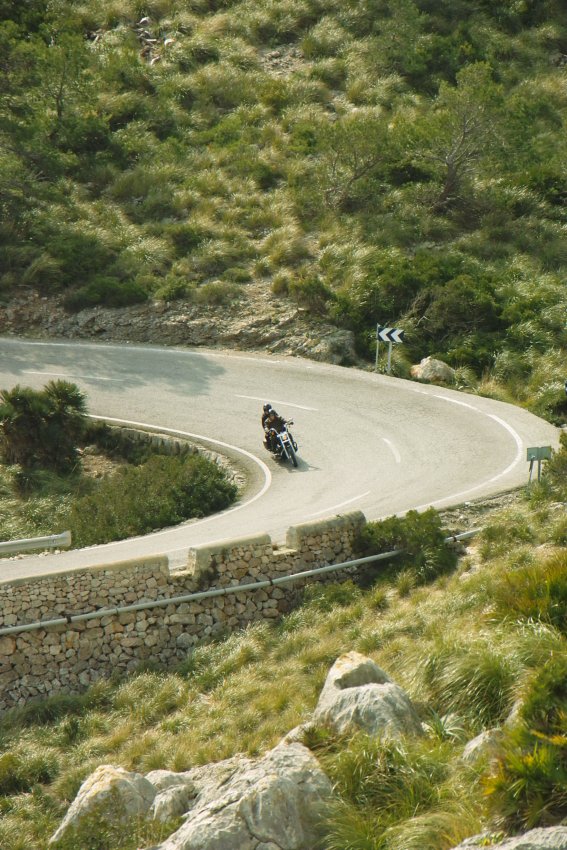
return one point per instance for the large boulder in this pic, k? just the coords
(358, 694)
(552, 838)
(269, 804)
(433, 371)
(108, 793)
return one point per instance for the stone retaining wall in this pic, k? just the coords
(68, 658)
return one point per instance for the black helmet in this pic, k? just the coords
(267, 408)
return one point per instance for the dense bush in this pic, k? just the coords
(162, 492)
(418, 536)
(107, 292)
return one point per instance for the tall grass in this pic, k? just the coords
(469, 659)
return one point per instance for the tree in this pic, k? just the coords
(458, 132)
(42, 429)
(353, 149)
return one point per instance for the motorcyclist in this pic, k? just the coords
(271, 421)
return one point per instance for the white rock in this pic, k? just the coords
(271, 803)
(108, 792)
(482, 747)
(358, 694)
(552, 838)
(172, 803)
(434, 371)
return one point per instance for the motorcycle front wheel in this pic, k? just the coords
(291, 453)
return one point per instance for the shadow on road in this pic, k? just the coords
(111, 367)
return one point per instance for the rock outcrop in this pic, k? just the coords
(258, 321)
(433, 371)
(275, 802)
(552, 838)
(109, 792)
(483, 747)
(269, 804)
(272, 803)
(358, 694)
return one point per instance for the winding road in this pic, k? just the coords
(366, 442)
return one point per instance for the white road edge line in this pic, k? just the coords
(175, 432)
(341, 505)
(517, 459)
(73, 377)
(157, 349)
(283, 403)
(393, 449)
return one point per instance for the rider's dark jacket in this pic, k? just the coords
(273, 420)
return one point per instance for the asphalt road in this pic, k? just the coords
(366, 441)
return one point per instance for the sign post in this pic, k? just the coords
(389, 335)
(538, 453)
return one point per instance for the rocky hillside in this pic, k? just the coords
(278, 801)
(257, 321)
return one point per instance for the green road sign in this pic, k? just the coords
(539, 453)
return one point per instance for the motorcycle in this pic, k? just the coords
(285, 447)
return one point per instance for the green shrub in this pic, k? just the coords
(174, 489)
(80, 255)
(218, 293)
(237, 274)
(535, 592)
(380, 784)
(174, 288)
(105, 292)
(559, 531)
(281, 283)
(42, 429)
(186, 237)
(326, 597)
(286, 246)
(332, 72)
(311, 292)
(420, 538)
(473, 680)
(527, 785)
(555, 478)
(22, 769)
(528, 788)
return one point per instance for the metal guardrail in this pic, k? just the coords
(219, 591)
(52, 541)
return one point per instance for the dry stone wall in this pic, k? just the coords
(67, 658)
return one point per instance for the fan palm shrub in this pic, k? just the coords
(527, 785)
(43, 428)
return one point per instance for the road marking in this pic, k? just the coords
(393, 449)
(155, 349)
(174, 432)
(283, 403)
(509, 468)
(456, 401)
(341, 505)
(73, 377)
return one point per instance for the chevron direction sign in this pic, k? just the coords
(389, 334)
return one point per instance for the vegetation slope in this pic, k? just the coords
(474, 647)
(389, 161)
(394, 162)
